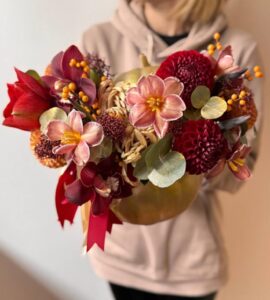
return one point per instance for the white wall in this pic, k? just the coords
(31, 32)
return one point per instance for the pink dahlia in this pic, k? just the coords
(75, 137)
(155, 102)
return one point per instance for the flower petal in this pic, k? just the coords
(89, 88)
(81, 154)
(173, 108)
(93, 133)
(173, 86)
(78, 194)
(151, 86)
(217, 169)
(88, 174)
(242, 173)
(56, 65)
(140, 116)
(56, 129)
(134, 97)
(75, 121)
(35, 87)
(72, 73)
(64, 149)
(160, 126)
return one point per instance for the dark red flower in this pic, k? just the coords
(28, 100)
(61, 70)
(202, 144)
(98, 183)
(192, 68)
(113, 127)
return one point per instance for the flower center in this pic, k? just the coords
(71, 137)
(239, 162)
(155, 104)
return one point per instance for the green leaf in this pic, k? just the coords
(200, 96)
(158, 150)
(35, 75)
(54, 113)
(141, 170)
(214, 108)
(94, 76)
(102, 151)
(192, 114)
(231, 123)
(171, 168)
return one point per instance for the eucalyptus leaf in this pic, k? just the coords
(231, 123)
(54, 113)
(171, 168)
(192, 114)
(101, 151)
(200, 96)
(214, 108)
(158, 150)
(141, 170)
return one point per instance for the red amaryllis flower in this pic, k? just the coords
(236, 161)
(28, 100)
(192, 68)
(202, 143)
(62, 70)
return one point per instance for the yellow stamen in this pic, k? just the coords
(240, 162)
(233, 166)
(155, 104)
(71, 137)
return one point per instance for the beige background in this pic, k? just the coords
(246, 215)
(41, 257)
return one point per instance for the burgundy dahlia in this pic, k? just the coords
(113, 127)
(202, 143)
(192, 68)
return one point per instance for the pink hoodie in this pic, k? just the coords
(184, 255)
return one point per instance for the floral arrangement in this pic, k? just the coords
(146, 130)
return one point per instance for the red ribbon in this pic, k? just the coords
(65, 210)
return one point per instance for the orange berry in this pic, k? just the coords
(85, 98)
(242, 102)
(81, 94)
(259, 75)
(83, 63)
(257, 69)
(65, 89)
(72, 86)
(217, 36)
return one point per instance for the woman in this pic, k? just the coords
(182, 258)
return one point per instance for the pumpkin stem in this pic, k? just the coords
(144, 61)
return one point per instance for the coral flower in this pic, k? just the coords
(224, 64)
(236, 162)
(155, 102)
(75, 138)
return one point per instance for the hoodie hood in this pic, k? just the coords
(129, 20)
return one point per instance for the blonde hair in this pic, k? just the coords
(191, 11)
